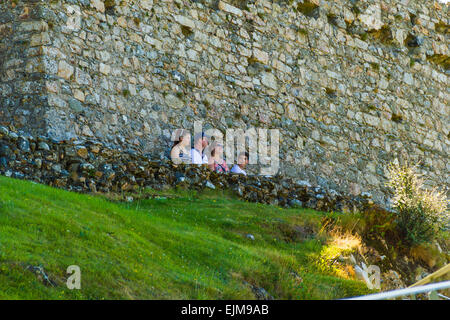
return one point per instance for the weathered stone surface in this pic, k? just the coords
(230, 9)
(98, 4)
(261, 56)
(65, 70)
(105, 69)
(185, 21)
(269, 80)
(75, 105)
(146, 4)
(174, 102)
(371, 18)
(350, 85)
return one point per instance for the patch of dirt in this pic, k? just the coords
(296, 233)
(41, 274)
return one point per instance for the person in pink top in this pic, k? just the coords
(216, 161)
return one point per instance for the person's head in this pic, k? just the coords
(216, 150)
(182, 138)
(200, 141)
(243, 159)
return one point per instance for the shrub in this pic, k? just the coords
(420, 213)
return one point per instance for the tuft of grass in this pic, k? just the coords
(331, 92)
(110, 6)
(383, 35)
(126, 93)
(375, 66)
(308, 8)
(442, 27)
(176, 244)
(179, 94)
(440, 59)
(187, 32)
(398, 118)
(303, 31)
(398, 17)
(355, 9)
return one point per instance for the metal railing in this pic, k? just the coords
(419, 287)
(431, 289)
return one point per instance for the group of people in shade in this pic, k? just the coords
(181, 153)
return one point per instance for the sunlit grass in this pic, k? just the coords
(174, 245)
(340, 243)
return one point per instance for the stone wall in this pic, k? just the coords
(89, 166)
(23, 31)
(351, 85)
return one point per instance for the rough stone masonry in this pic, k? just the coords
(351, 85)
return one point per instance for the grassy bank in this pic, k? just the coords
(174, 245)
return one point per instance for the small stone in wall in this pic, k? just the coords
(65, 70)
(261, 56)
(105, 69)
(174, 102)
(43, 146)
(23, 144)
(82, 152)
(74, 22)
(99, 5)
(79, 95)
(25, 13)
(291, 112)
(185, 21)
(230, 9)
(122, 22)
(146, 4)
(75, 105)
(372, 17)
(208, 184)
(87, 131)
(408, 79)
(269, 80)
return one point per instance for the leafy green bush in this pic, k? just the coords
(420, 213)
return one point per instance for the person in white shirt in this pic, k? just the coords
(200, 143)
(242, 164)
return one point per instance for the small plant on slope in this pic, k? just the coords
(420, 213)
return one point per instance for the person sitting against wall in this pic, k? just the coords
(180, 150)
(242, 164)
(200, 143)
(216, 161)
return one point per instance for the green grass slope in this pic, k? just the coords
(178, 245)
